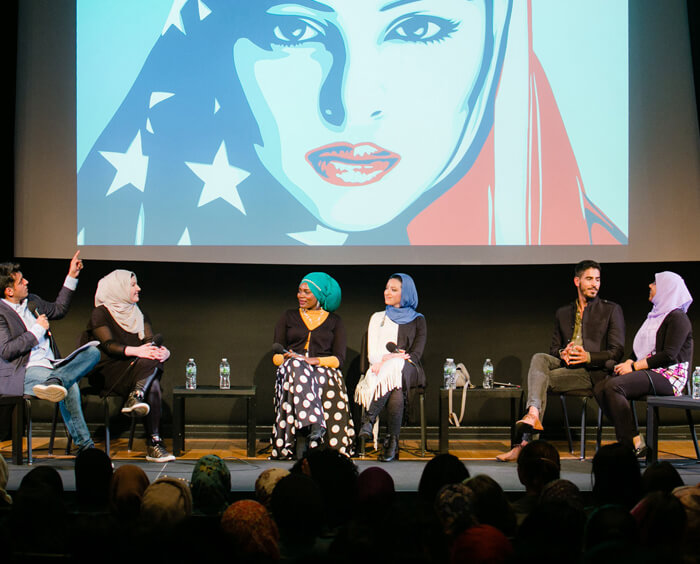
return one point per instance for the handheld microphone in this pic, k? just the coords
(279, 349)
(393, 348)
(34, 309)
(157, 340)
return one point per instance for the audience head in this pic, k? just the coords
(562, 490)
(129, 482)
(297, 507)
(490, 504)
(689, 496)
(266, 482)
(441, 470)
(538, 464)
(481, 544)
(660, 511)
(660, 476)
(336, 476)
(552, 532)
(453, 508)
(211, 485)
(610, 524)
(252, 530)
(375, 489)
(93, 474)
(616, 476)
(165, 502)
(5, 498)
(42, 477)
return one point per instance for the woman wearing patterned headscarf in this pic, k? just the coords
(132, 363)
(390, 376)
(310, 394)
(663, 349)
(210, 485)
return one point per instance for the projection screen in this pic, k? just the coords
(372, 131)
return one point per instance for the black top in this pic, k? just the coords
(328, 339)
(674, 341)
(411, 338)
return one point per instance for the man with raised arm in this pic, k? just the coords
(589, 336)
(28, 353)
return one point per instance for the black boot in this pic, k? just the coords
(316, 432)
(391, 449)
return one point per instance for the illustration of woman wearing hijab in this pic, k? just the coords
(326, 122)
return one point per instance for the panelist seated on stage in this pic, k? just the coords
(310, 395)
(390, 376)
(28, 350)
(589, 335)
(131, 363)
(663, 351)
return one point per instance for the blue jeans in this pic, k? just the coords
(69, 374)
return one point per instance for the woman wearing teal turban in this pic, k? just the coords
(310, 395)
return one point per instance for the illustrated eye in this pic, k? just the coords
(293, 31)
(421, 29)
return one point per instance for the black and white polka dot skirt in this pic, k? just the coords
(305, 395)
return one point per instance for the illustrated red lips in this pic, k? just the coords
(344, 164)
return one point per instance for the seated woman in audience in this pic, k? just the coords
(132, 362)
(310, 394)
(391, 375)
(663, 350)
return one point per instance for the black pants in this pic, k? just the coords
(613, 395)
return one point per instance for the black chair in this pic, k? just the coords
(423, 427)
(584, 395)
(22, 422)
(88, 394)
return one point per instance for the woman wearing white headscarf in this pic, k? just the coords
(131, 364)
(663, 350)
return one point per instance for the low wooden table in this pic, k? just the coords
(180, 394)
(515, 395)
(674, 402)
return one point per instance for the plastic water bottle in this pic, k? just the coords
(696, 383)
(224, 375)
(191, 375)
(450, 374)
(488, 374)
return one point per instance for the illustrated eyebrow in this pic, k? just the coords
(311, 4)
(396, 4)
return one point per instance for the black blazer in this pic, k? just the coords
(603, 329)
(16, 342)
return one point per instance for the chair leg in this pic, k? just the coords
(693, 434)
(131, 433)
(107, 434)
(599, 430)
(423, 439)
(583, 429)
(633, 406)
(54, 423)
(566, 423)
(362, 443)
(18, 431)
(28, 416)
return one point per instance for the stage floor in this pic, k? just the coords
(478, 456)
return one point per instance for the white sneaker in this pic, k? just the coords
(50, 391)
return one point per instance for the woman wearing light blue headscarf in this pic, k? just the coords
(392, 361)
(663, 350)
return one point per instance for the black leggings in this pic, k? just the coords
(150, 386)
(613, 395)
(394, 403)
